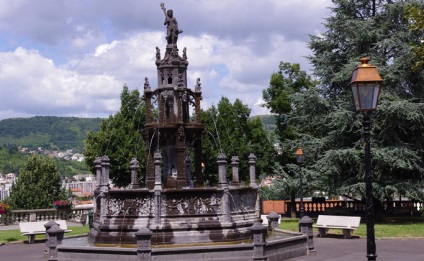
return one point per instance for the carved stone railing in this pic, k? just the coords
(16, 216)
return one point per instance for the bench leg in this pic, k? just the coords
(31, 239)
(347, 233)
(322, 232)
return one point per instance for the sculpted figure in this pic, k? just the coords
(171, 23)
(157, 54)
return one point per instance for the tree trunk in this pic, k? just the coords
(293, 204)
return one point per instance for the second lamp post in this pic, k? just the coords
(299, 159)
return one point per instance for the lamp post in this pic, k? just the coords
(365, 84)
(299, 159)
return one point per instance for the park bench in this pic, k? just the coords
(31, 229)
(346, 223)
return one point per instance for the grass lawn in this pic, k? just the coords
(15, 235)
(403, 227)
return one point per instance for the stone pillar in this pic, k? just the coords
(55, 234)
(273, 220)
(105, 174)
(222, 170)
(48, 225)
(188, 164)
(252, 170)
(259, 242)
(235, 162)
(97, 165)
(148, 100)
(144, 239)
(158, 186)
(198, 163)
(134, 174)
(305, 227)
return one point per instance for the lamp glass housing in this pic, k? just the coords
(299, 155)
(365, 96)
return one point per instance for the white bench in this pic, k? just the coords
(346, 223)
(31, 229)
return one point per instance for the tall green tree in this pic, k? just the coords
(120, 138)
(323, 117)
(230, 131)
(37, 186)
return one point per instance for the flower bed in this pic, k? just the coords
(61, 204)
(4, 208)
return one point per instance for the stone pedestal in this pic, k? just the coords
(305, 226)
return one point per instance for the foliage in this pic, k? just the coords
(48, 132)
(322, 115)
(38, 185)
(120, 138)
(415, 15)
(4, 207)
(357, 30)
(229, 130)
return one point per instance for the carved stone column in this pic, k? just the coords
(273, 218)
(158, 187)
(235, 162)
(305, 227)
(134, 174)
(55, 238)
(188, 171)
(222, 170)
(48, 225)
(259, 242)
(144, 239)
(105, 174)
(252, 170)
(97, 165)
(198, 163)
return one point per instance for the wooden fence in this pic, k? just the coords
(338, 207)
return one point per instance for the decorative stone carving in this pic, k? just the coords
(171, 23)
(191, 205)
(157, 54)
(146, 84)
(129, 207)
(198, 87)
(243, 202)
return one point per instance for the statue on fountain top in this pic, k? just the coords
(171, 23)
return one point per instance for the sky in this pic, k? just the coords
(71, 58)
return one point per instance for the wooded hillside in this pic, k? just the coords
(48, 132)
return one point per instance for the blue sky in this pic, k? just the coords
(72, 57)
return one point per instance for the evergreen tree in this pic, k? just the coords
(323, 117)
(37, 186)
(120, 138)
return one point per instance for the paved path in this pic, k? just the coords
(328, 249)
(331, 249)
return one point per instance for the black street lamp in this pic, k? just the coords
(366, 84)
(299, 160)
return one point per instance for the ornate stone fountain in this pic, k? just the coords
(173, 204)
(172, 216)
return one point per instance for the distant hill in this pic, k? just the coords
(268, 121)
(48, 132)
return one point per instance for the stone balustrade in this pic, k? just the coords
(16, 216)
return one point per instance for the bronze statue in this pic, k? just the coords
(171, 23)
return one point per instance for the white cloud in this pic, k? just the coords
(72, 57)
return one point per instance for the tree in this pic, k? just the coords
(288, 80)
(230, 131)
(368, 28)
(120, 138)
(37, 186)
(383, 34)
(323, 116)
(416, 16)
